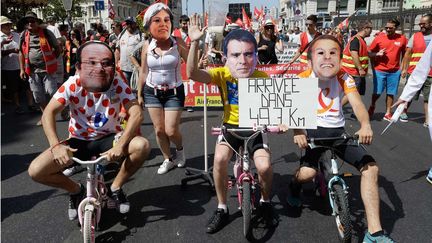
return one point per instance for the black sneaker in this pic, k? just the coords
(267, 213)
(33, 108)
(74, 201)
(219, 219)
(121, 200)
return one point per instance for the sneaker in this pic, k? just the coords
(429, 176)
(121, 200)
(180, 158)
(219, 219)
(378, 237)
(267, 213)
(19, 110)
(74, 201)
(425, 124)
(165, 166)
(73, 170)
(387, 117)
(403, 117)
(371, 111)
(33, 108)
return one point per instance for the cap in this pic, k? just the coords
(31, 15)
(130, 19)
(5, 20)
(269, 22)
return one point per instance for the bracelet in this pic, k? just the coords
(55, 145)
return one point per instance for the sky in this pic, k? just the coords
(195, 6)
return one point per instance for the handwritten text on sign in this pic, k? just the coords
(272, 101)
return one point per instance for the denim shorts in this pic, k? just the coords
(171, 99)
(386, 80)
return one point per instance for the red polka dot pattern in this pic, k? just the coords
(62, 101)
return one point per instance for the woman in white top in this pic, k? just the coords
(160, 85)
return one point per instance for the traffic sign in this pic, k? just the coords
(99, 5)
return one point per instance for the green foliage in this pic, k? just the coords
(55, 8)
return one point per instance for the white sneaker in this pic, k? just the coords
(180, 158)
(165, 167)
(73, 170)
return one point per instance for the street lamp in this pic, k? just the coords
(67, 4)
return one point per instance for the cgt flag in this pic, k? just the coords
(246, 20)
(343, 24)
(111, 11)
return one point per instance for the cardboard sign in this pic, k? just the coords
(273, 101)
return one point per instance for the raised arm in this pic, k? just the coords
(195, 34)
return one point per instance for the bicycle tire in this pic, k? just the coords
(342, 217)
(246, 207)
(89, 226)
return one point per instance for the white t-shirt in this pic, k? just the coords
(127, 44)
(10, 62)
(93, 115)
(329, 107)
(55, 31)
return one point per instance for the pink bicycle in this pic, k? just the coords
(90, 208)
(245, 181)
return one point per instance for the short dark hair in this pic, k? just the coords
(184, 18)
(239, 35)
(363, 24)
(323, 37)
(312, 17)
(428, 15)
(394, 21)
(80, 49)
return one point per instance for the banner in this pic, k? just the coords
(273, 101)
(194, 91)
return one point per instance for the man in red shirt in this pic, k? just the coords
(385, 52)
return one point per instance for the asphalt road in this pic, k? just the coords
(162, 212)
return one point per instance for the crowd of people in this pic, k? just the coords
(104, 80)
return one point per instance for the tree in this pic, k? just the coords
(55, 8)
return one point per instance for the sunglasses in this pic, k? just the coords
(269, 27)
(310, 24)
(389, 28)
(31, 21)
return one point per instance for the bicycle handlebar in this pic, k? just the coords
(89, 162)
(312, 141)
(266, 129)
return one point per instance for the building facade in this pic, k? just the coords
(294, 12)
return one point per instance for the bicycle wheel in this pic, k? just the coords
(89, 226)
(342, 217)
(246, 207)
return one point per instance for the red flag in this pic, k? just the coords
(246, 20)
(257, 13)
(239, 22)
(111, 11)
(344, 24)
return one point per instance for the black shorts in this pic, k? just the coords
(360, 84)
(13, 81)
(356, 156)
(253, 145)
(88, 149)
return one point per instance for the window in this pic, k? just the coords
(343, 5)
(360, 5)
(322, 6)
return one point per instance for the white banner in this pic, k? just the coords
(273, 101)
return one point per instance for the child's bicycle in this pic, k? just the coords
(90, 208)
(330, 182)
(245, 181)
